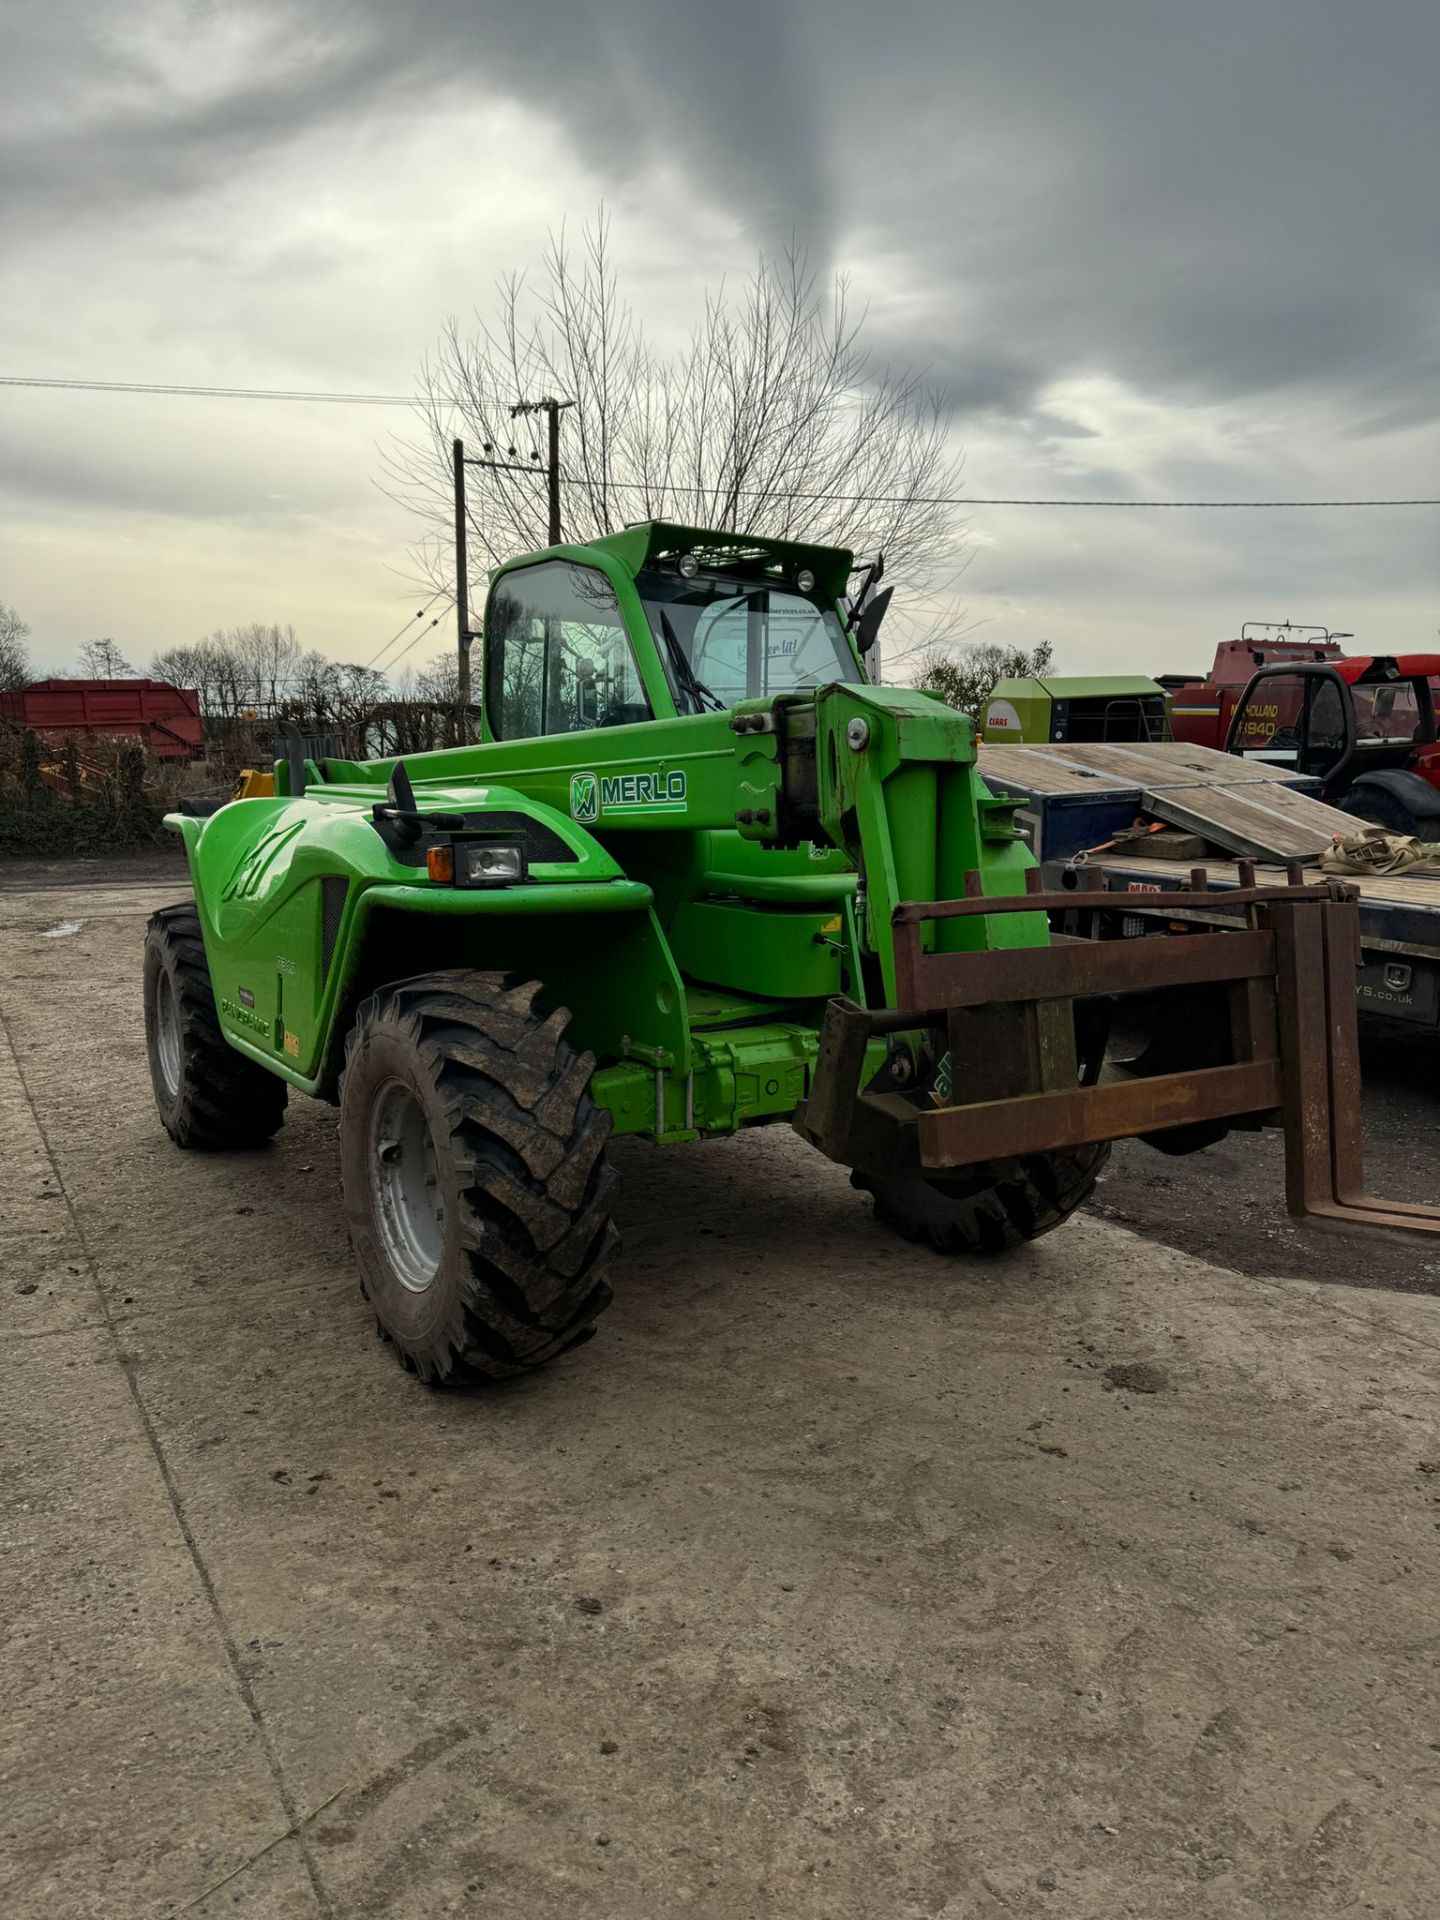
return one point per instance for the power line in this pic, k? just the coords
(391, 665)
(405, 629)
(214, 393)
(964, 499)
(747, 493)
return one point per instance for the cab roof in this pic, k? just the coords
(1379, 667)
(1082, 687)
(651, 541)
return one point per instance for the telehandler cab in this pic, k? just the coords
(699, 875)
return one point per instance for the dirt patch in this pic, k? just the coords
(1228, 1203)
(163, 862)
(833, 1580)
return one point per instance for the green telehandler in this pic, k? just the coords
(698, 875)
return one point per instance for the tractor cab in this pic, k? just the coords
(661, 622)
(1364, 727)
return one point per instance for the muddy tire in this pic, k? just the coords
(992, 1210)
(208, 1095)
(477, 1189)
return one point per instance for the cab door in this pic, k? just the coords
(1300, 721)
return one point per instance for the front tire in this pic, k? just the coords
(208, 1095)
(988, 1210)
(477, 1189)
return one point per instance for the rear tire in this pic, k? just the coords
(477, 1189)
(208, 1095)
(991, 1209)
(1382, 809)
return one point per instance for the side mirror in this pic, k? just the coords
(867, 627)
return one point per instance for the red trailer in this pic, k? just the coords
(165, 719)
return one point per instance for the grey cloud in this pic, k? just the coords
(1223, 204)
(1205, 201)
(738, 107)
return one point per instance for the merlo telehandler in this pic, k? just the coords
(698, 875)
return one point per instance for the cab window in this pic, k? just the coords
(557, 656)
(1385, 714)
(1267, 726)
(1325, 733)
(725, 639)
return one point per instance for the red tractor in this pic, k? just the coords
(1364, 727)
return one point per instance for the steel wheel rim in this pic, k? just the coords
(168, 1045)
(405, 1187)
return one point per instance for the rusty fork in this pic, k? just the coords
(1295, 1036)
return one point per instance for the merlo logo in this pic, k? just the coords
(645, 793)
(584, 798)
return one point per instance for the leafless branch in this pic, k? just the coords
(771, 418)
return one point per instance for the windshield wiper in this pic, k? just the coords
(685, 674)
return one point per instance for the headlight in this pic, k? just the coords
(687, 566)
(488, 863)
(805, 580)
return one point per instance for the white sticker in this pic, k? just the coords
(1002, 717)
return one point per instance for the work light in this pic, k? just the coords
(488, 863)
(805, 580)
(687, 566)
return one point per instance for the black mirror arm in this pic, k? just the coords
(402, 810)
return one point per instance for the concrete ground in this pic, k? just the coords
(831, 1579)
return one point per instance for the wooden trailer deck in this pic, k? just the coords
(1399, 924)
(1416, 892)
(1248, 807)
(1077, 798)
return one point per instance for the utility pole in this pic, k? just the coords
(553, 409)
(462, 585)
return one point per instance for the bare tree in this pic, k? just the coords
(771, 419)
(235, 668)
(103, 660)
(14, 654)
(966, 677)
(267, 656)
(182, 666)
(438, 681)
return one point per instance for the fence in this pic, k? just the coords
(374, 731)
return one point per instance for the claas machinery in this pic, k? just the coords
(697, 875)
(1123, 708)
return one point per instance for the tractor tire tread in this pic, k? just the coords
(225, 1101)
(527, 1143)
(1022, 1200)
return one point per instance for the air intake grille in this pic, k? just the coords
(333, 891)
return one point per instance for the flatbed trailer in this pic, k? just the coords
(1079, 798)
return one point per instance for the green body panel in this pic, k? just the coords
(709, 901)
(1024, 712)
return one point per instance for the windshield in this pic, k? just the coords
(742, 641)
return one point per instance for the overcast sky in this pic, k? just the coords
(1150, 251)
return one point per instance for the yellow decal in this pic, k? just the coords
(292, 1044)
